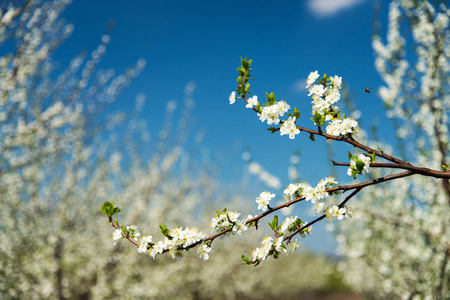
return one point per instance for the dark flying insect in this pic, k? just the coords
(367, 90)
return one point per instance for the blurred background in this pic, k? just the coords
(127, 102)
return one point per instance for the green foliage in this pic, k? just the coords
(108, 209)
(164, 230)
(318, 119)
(274, 223)
(270, 99)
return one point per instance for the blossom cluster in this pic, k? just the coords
(339, 127)
(317, 195)
(272, 113)
(130, 231)
(325, 94)
(263, 200)
(176, 240)
(338, 213)
(291, 224)
(297, 190)
(262, 252)
(274, 247)
(229, 219)
(289, 128)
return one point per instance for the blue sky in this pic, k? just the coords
(202, 42)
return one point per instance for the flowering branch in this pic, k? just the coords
(325, 93)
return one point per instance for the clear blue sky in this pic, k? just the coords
(201, 41)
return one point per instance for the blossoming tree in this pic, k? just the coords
(398, 245)
(58, 164)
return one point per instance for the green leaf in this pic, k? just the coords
(271, 98)
(359, 165)
(381, 150)
(114, 211)
(273, 129)
(246, 259)
(446, 168)
(274, 222)
(318, 119)
(245, 63)
(296, 113)
(350, 155)
(164, 230)
(124, 229)
(116, 221)
(108, 209)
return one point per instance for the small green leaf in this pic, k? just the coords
(350, 155)
(108, 209)
(296, 113)
(318, 119)
(124, 229)
(359, 165)
(273, 129)
(274, 222)
(446, 168)
(246, 259)
(271, 98)
(116, 221)
(381, 150)
(114, 211)
(164, 230)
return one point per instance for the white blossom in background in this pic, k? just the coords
(57, 166)
(406, 218)
(256, 169)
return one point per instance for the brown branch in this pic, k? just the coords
(357, 187)
(322, 216)
(123, 234)
(418, 170)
